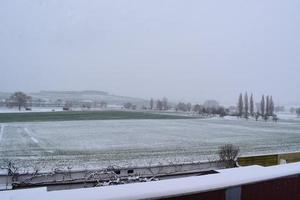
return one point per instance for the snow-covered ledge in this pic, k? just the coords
(166, 188)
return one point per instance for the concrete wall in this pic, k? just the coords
(281, 182)
(61, 180)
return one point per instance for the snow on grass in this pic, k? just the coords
(32, 138)
(288, 116)
(1, 131)
(33, 109)
(98, 143)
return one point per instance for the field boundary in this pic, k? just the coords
(84, 115)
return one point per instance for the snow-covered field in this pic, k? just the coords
(34, 109)
(91, 144)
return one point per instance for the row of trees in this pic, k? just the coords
(243, 105)
(209, 107)
(201, 109)
(246, 107)
(267, 106)
(186, 107)
(22, 100)
(130, 106)
(160, 104)
(181, 106)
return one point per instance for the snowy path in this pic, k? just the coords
(1, 131)
(32, 138)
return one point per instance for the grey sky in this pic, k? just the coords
(184, 50)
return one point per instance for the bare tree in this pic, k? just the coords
(298, 112)
(18, 99)
(165, 104)
(103, 104)
(151, 104)
(182, 107)
(228, 154)
(159, 105)
(13, 170)
(189, 107)
(197, 108)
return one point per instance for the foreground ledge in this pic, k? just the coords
(252, 182)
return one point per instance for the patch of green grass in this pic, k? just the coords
(82, 115)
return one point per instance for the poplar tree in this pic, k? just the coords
(240, 105)
(271, 105)
(151, 104)
(262, 105)
(267, 105)
(251, 105)
(246, 105)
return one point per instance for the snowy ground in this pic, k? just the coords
(89, 144)
(34, 109)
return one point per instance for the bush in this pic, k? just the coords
(228, 154)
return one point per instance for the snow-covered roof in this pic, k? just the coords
(165, 188)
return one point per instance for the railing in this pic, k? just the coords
(70, 179)
(244, 183)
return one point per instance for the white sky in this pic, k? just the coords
(188, 50)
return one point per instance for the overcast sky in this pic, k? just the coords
(184, 50)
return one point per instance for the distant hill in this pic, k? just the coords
(87, 95)
(88, 92)
(81, 96)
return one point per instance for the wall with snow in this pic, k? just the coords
(180, 187)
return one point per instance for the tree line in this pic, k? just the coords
(159, 104)
(245, 107)
(209, 107)
(265, 108)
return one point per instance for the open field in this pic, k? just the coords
(82, 115)
(99, 143)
